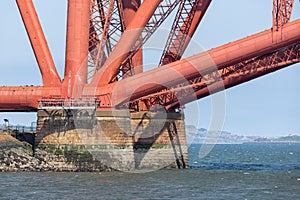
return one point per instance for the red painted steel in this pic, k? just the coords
(128, 39)
(25, 98)
(232, 53)
(129, 10)
(105, 27)
(38, 42)
(161, 13)
(183, 29)
(76, 48)
(200, 10)
(201, 64)
(235, 75)
(282, 11)
(153, 87)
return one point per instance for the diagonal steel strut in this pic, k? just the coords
(39, 44)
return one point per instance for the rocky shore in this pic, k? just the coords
(16, 156)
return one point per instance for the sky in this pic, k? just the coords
(267, 106)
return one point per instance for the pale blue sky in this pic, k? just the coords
(268, 106)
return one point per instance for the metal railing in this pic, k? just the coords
(68, 104)
(17, 128)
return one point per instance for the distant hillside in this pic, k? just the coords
(289, 138)
(201, 135)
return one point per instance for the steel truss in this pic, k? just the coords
(282, 11)
(106, 28)
(174, 98)
(179, 32)
(161, 13)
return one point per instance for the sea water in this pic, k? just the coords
(234, 171)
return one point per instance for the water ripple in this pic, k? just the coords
(224, 166)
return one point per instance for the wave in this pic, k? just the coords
(224, 166)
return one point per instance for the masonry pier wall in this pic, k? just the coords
(117, 139)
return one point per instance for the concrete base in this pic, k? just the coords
(118, 139)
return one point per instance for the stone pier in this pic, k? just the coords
(121, 140)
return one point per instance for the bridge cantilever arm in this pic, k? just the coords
(242, 72)
(201, 64)
(38, 42)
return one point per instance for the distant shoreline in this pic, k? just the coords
(202, 135)
(273, 142)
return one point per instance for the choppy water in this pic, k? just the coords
(248, 171)
(251, 156)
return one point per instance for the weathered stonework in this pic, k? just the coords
(118, 139)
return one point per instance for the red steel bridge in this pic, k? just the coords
(104, 57)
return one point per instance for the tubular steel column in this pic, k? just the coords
(76, 48)
(129, 10)
(38, 42)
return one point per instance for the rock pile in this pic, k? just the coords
(18, 159)
(16, 156)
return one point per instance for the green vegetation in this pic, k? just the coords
(149, 146)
